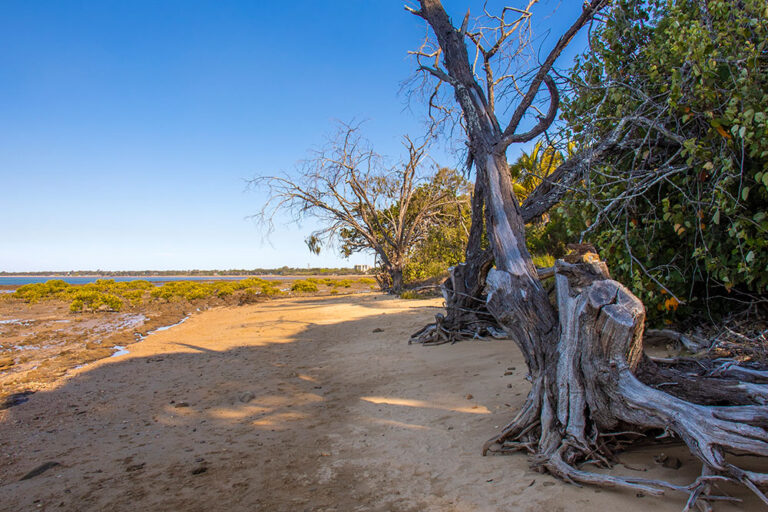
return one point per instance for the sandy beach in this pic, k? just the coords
(304, 403)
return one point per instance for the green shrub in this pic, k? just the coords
(106, 294)
(699, 70)
(36, 292)
(304, 286)
(93, 300)
(544, 260)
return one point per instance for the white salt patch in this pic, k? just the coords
(168, 326)
(119, 351)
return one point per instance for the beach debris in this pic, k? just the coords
(135, 467)
(181, 404)
(378, 329)
(247, 397)
(470, 397)
(667, 461)
(39, 470)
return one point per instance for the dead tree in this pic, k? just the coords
(592, 388)
(361, 203)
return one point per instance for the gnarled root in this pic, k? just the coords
(466, 314)
(594, 392)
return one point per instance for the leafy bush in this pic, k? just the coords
(700, 235)
(36, 292)
(544, 261)
(106, 294)
(304, 286)
(94, 300)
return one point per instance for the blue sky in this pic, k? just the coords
(128, 129)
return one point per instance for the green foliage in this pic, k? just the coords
(546, 236)
(700, 72)
(529, 169)
(106, 294)
(544, 261)
(445, 240)
(304, 286)
(94, 300)
(438, 229)
(36, 292)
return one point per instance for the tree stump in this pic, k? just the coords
(587, 399)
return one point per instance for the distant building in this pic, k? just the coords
(362, 268)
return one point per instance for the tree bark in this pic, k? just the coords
(397, 280)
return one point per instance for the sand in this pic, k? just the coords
(290, 405)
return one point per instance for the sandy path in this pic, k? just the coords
(294, 404)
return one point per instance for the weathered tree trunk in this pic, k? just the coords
(466, 315)
(391, 279)
(397, 280)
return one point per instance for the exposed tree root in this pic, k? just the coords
(466, 314)
(594, 392)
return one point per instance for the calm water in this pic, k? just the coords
(18, 281)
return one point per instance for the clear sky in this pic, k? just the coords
(128, 128)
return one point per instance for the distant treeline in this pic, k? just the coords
(283, 271)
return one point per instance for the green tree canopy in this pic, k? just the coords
(681, 215)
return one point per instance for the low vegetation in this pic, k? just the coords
(109, 295)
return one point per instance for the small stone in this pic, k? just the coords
(548, 484)
(181, 404)
(509, 386)
(667, 461)
(247, 397)
(378, 329)
(470, 397)
(199, 470)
